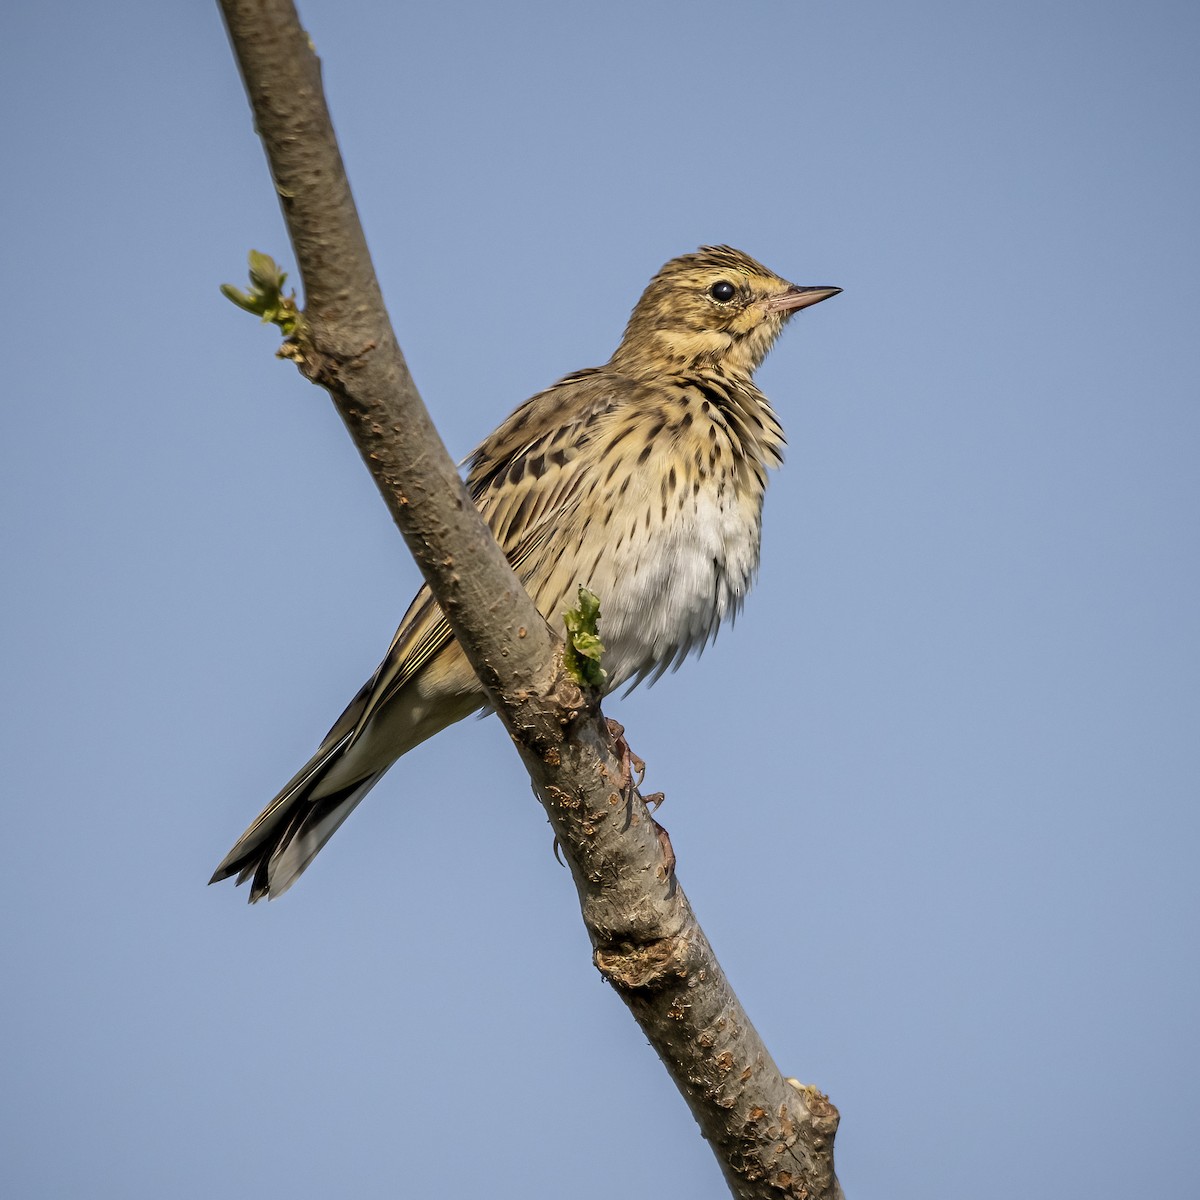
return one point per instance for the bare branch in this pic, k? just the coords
(772, 1138)
(347, 345)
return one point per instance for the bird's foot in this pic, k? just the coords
(629, 761)
(668, 851)
(631, 764)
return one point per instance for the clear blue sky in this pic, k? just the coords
(935, 796)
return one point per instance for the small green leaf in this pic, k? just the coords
(264, 274)
(265, 298)
(584, 647)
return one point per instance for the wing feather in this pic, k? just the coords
(526, 479)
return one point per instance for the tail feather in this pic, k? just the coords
(363, 743)
(306, 834)
(289, 832)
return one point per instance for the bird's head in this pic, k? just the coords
(716, 309)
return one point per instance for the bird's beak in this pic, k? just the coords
(796, 298)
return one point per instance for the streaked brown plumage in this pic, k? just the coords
(642, 479)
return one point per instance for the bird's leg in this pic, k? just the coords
(630, 763)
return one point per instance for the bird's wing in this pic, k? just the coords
(526, 479)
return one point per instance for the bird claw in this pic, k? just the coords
(629, 761)
(631, 764)
(668, 851)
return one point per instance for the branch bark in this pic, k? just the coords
(772, 1138)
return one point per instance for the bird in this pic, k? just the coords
(642, 480)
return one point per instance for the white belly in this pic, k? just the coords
(658, 605)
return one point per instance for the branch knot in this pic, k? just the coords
(647, 966)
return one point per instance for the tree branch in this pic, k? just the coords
(772, 1138)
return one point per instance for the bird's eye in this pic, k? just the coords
(722, 291)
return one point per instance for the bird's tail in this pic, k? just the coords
(285, 837)
(423, 684)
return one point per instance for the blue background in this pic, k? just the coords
(934, 798)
